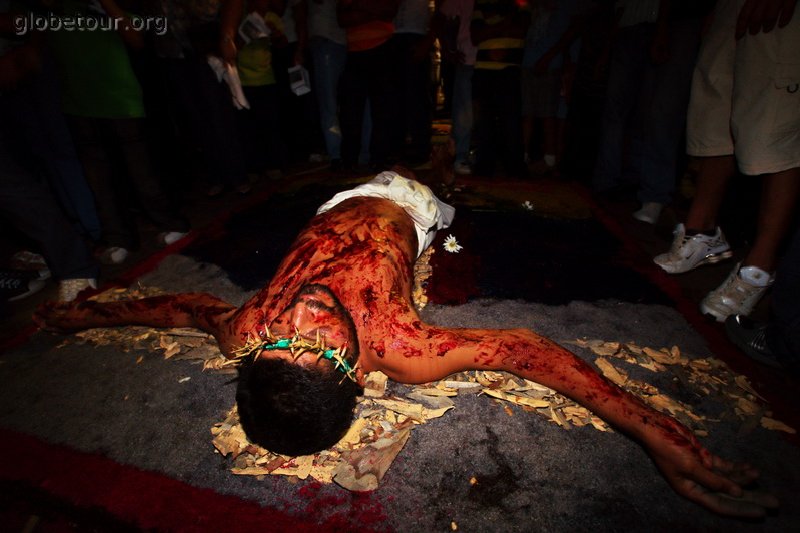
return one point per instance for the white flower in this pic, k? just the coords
(451, 245)
(527, 205)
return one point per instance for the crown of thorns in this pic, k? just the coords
(297, 346)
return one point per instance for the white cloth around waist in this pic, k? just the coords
(425, 209)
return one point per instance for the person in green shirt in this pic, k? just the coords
(104, 105)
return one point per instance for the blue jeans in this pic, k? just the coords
(329, 60)
(462, 110)
(646, 103)
(35, 112)
(29, 206)
(369, 76)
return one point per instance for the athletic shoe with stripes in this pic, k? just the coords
(690, 251)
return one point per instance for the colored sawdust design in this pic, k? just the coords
(386, 415)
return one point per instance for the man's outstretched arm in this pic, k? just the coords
(432, 353)
(194, 310)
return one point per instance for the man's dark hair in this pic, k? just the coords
(295, 410)
(291, 409)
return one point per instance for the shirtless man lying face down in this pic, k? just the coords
(339, 306)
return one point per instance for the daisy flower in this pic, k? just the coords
(451, 245)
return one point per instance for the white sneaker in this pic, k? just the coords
(114, 255)
(738, 294)
(462, 168)
(168, 237)
(649, 212)
(687, 253)
(68, 289)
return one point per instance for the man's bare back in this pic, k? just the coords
(347, 279)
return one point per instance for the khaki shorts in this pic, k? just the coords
(746, 95)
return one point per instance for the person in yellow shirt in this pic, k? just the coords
(259, 127)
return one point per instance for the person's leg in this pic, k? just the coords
(775, 216)
(483, 132)
(30, 207)
(352, 93)
(547, 108)
(275, 146)
(550, 128)
(764, 123)
(130, 138)
(329, 60)
(462, 111)
(622, 90)
(384, 93)
(510, 115)
(662, 113)
(208, 117)
(417, 101)
(528, 91)
(247, 121)
(783, 332)
(48, 132)
(92, 137)
(713, 176)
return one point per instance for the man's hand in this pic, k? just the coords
(762, 15)
(696, 474)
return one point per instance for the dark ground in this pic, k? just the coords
(531, 474)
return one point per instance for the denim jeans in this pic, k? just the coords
(34, 111)
(462, 110)
(369, 76)
(29, 206)
(498, 121)
(112, 150)
(646, 103)
(329, 60)
(412, 125)
(206, 117)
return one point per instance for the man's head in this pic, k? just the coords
(297, 407)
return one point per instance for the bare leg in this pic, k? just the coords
(527, 133)
(199, 310)
(712, 180)
(778, 199)
(550, 133)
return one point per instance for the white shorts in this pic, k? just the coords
(426, 210)
(746, 95)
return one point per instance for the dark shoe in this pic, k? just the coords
(750, 337)
(16, 285)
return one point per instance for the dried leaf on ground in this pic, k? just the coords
(777, 425)
(362, 469)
